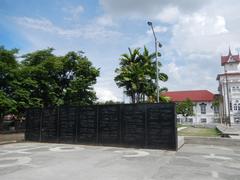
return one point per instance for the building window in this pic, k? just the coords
(203, 108)
(230, 105)
(216, 109)
(189, 120)
(238, 106)
(203, 120)
(236, 120)
(233, 89)
(178, 120)
(235, 107)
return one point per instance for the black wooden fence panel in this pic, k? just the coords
(133, 118)
(49, 125)
(138, 125)
(33, 124)
(87, 124)
(67, 124)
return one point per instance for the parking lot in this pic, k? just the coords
(38, 161)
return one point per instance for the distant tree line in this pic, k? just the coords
(42, 79)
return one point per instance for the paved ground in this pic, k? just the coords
(42, 161)
(234, 129)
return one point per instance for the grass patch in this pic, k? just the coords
(205, 132)
(183, 125)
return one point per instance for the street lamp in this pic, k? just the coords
(156, 54)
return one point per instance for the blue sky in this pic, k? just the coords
(194, 34)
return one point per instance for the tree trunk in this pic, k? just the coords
(133, 98)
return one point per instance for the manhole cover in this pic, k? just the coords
(66, 149)
(133, 153)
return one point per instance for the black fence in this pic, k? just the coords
(131, 125)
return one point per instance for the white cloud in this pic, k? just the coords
(89, 31)
(74, 12)
(192, 76)
(150, 8)
(105, 20)
(199, 33)
(39, 24)
(105, 94)
(174, 70)
(158, 29)
(169, 14)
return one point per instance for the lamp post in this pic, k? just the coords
(156, 54)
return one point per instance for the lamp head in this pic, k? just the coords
(159, 44)
(149, 23)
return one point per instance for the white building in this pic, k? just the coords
(229, 88)
(204, 111)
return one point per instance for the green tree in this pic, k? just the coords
(137, 74)
(8, 66)
(162, 97)
(43, 79)
(57, 80)
(185, 108)
(80, 76)
(7, 105)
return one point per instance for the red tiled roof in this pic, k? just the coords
(195, 95)
(224, 59)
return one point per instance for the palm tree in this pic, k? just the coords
(150, 72)
(128, 73)
(137, 75)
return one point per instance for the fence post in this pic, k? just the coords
(40, 124)
(76, 116)
(146, 125)
(97, 121)
(58, 124)
(120, 122)
(175, 127)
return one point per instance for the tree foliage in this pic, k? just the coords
(43, 79)
(185, 108)
(137, 75)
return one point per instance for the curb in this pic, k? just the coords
(211, 141)
(180, 142)
(7, 142)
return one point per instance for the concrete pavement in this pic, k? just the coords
(233, 130)
(38, 161)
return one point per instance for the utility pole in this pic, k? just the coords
(156, 54)
(228, 104)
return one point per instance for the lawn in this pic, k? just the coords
(206, 132)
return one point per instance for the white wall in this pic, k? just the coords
(209, 116)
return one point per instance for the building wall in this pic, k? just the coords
(232, 67)
(200, 118)
(231, 95)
